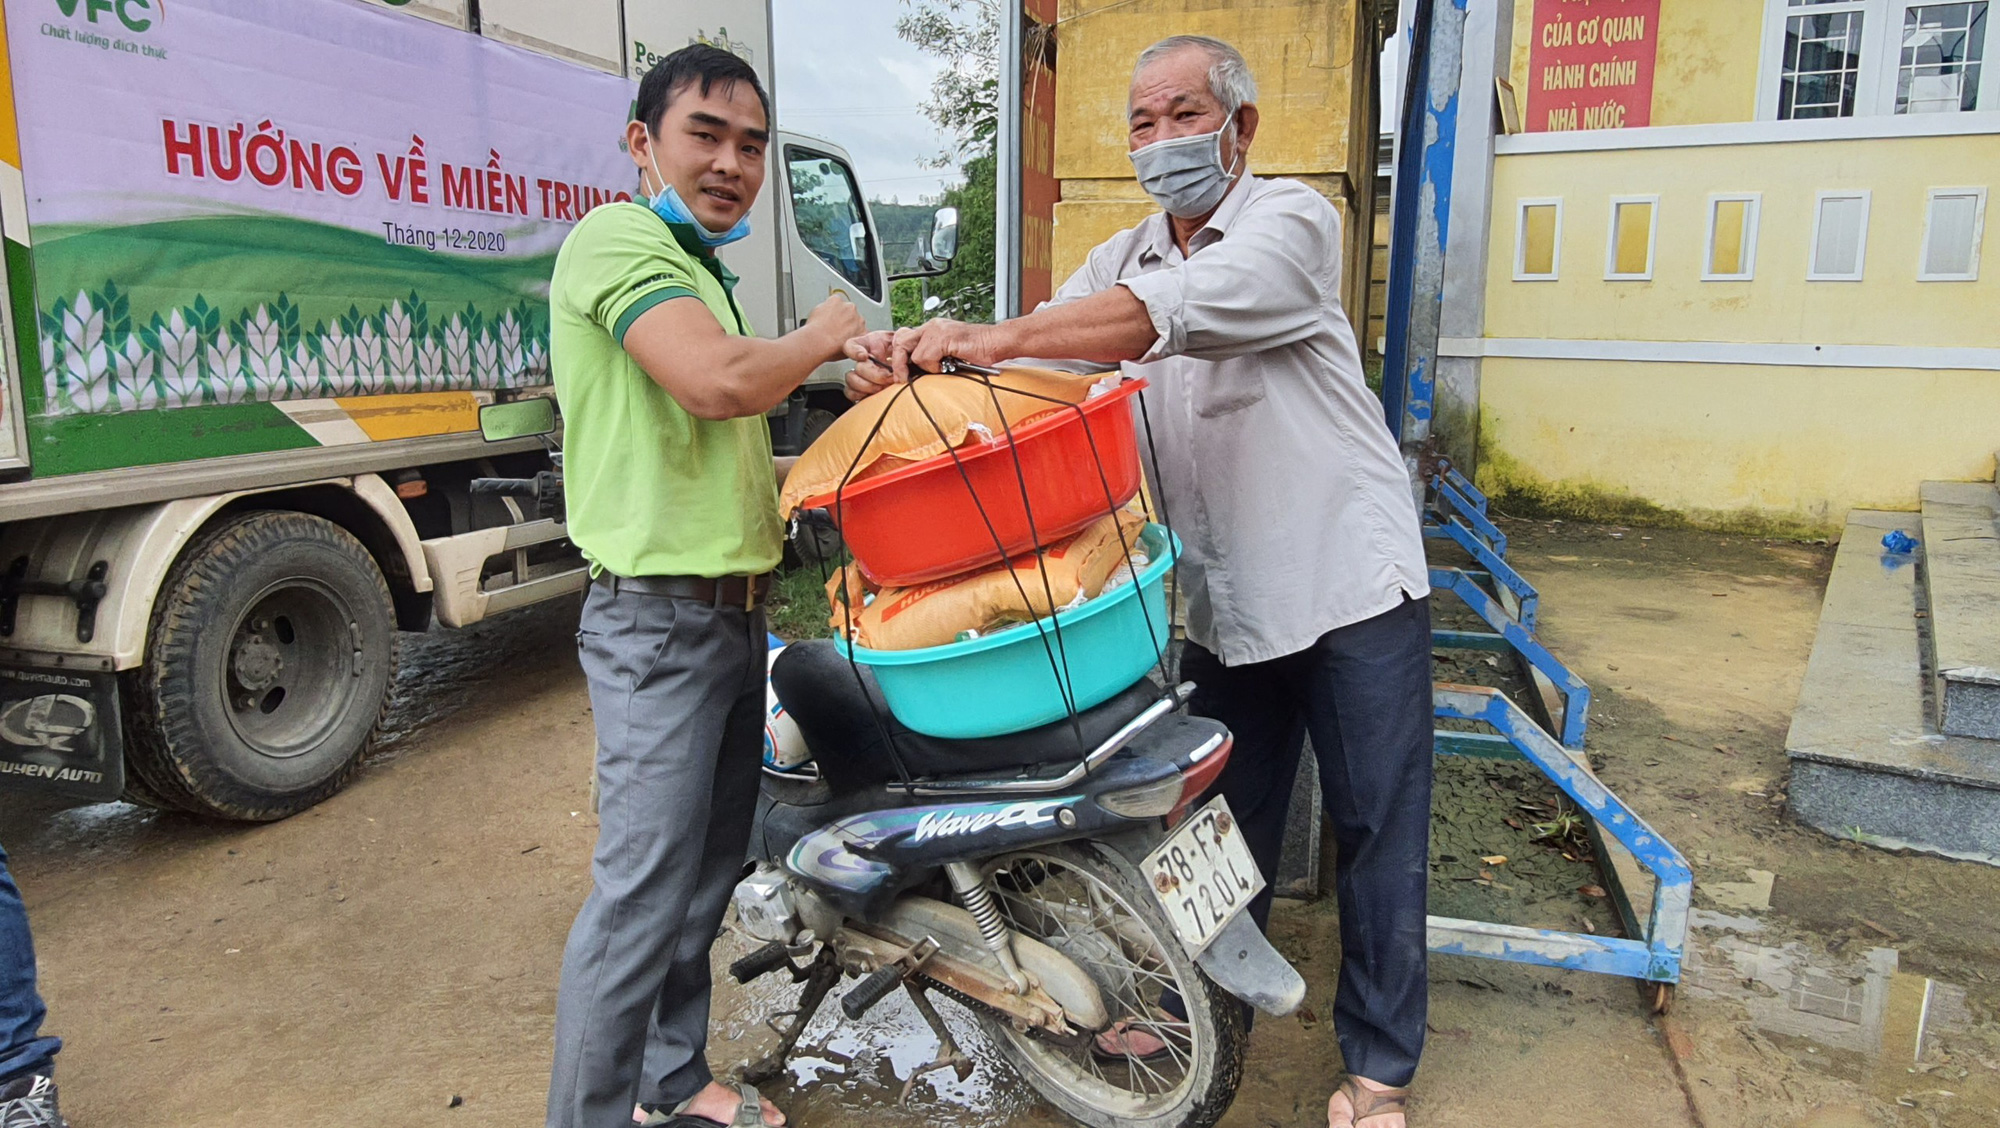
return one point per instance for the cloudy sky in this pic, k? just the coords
(843, 75)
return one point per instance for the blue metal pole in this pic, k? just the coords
(1420, 215)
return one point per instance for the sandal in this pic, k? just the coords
(1368, 1102)
(1122, 1030)
(749, 1114)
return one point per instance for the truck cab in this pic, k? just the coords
(832, 245)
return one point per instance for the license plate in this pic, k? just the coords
(1202, 875)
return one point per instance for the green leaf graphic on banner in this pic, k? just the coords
(164, 341)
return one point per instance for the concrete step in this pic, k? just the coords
(1962, 577)
(1867, 763)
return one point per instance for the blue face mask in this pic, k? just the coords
(668, 205)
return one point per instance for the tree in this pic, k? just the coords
(965, 101)
(965, 96)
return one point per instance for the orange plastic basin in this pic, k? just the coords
(971, 507)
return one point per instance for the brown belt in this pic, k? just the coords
(746, 592)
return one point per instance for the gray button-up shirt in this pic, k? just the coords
(1274, 462)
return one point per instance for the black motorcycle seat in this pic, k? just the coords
(844, 720)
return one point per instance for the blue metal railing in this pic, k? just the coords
(1456, 511)
(1655, 955)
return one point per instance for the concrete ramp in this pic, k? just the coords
(1868, 760)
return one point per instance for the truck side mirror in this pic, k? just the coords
(517, 419)
(944, 237)
(939, 249)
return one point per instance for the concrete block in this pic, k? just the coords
(1866, 763)
(1298, 864)
(1962, 580)
(1898, 811)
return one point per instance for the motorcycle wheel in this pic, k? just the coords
(1092, 905)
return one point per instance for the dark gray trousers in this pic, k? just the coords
(1364, 693)
(677, 690)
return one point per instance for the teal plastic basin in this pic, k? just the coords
(1005, 683)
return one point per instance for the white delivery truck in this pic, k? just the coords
(264, 265)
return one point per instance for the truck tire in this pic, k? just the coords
(268, 665)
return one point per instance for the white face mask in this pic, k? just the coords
(1185, 175)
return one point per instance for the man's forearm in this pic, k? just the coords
(718, 376)
(1104, 328)
(757, 374)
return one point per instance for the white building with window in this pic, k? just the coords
(1761, 290)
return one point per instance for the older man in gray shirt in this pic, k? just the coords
(1308, 605)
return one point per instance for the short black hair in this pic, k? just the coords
(697, 64)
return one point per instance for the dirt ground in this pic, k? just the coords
(396, 949)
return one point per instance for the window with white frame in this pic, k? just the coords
(1820, 72)
(1840, 237)
(1954, 222)
(1849, 58)
(1538, 239)
(1628, 254)
(1731, 252)
(1943, 48)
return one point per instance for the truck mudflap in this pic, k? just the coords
(60, 733)
(1243, 963)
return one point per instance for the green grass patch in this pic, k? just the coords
(796, 608)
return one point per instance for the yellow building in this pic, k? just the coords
(1314, 61)
(1758, 289)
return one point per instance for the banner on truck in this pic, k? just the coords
(236, 200)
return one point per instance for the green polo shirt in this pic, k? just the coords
(651, 490)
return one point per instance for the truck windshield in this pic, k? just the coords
(832, 223)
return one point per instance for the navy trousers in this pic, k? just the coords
(1364, 694)
(23, 1048)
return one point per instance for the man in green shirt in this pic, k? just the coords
(673, 498)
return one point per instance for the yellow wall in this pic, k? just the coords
(1889, 306)
(1300, 51)
(1315, 68)
(1800, 444)
(1705, 68)
(1786, 444)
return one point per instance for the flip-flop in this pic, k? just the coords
(749, 1114)
(1123, 1027)
(1368, 1102)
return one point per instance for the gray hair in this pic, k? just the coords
(1228, 74)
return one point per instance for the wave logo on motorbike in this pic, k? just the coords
(952, 823)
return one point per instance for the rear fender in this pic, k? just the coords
(1242, 962)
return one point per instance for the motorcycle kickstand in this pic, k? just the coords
(948, 1055)
(819, 980)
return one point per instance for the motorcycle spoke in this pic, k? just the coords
(1079, 917)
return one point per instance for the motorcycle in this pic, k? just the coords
(1061, 884)
(1058, 883)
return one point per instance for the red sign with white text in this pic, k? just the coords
(1590, 64)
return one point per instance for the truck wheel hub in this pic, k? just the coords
(256, 662)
